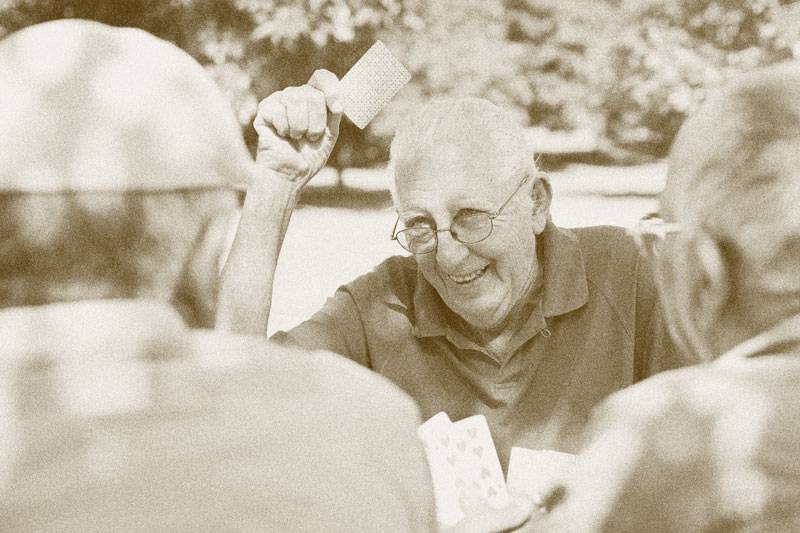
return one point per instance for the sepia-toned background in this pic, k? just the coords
(603, 85)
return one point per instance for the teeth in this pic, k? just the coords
(466, 278)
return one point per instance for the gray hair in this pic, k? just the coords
(735, 174)
(473, 125)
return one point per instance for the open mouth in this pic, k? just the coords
(469, 277)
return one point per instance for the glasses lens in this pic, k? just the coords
(417, 240)
(471, 227)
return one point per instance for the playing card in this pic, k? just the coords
(371, 83)
(536, 472)
(478, 464)
(439, 446)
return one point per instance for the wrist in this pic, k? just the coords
(273, 187)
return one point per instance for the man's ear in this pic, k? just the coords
(542, 195)
(706, 287)
(196, 296)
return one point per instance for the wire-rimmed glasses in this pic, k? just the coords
(468, 227)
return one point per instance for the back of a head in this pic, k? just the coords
(477, 129)
(733, 175)
(118, 152)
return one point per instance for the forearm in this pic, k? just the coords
(245, 294)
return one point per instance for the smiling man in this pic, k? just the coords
(496, 310)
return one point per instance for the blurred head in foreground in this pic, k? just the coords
(118, 169)
(730, 257)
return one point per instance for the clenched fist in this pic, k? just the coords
(298, 127)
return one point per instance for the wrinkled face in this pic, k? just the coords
(480, 282)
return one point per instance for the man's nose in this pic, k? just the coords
(449, 252)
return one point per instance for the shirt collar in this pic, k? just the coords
(562, 287)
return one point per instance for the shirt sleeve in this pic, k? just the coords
(654, 349)
(337, 328)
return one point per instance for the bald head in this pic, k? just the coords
(120, 159)
(89, 107)
(471, 132)
(735, 166)
(734, 187)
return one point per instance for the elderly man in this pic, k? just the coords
(715, 447)
(498, 312)
(118, 172)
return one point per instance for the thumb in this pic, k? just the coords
(326, 82)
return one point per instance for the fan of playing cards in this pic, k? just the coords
(463, 462)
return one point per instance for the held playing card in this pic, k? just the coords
(481, 468)
(439, 450)
(536, 472)
(371, 83)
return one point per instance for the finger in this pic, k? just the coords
(317, 114)
(327, 82)
(271, 114)
(295, 100)
(552, 498)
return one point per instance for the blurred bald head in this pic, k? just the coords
(734, 186)
(119, 167)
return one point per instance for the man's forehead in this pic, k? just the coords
(453, 167)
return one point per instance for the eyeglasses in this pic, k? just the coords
(650, 231)
(468, 227)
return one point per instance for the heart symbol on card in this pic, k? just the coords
(462, 446)
(478, 450)
(472, 432)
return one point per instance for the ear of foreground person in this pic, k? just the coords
(119, 174)
(714, 447)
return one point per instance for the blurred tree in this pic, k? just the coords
(562, 59)
(250, 47)
(670, 53)
(459, 48)
(628, 69)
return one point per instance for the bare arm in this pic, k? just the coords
(297, 129)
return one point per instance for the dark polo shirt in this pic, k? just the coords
(594, 327)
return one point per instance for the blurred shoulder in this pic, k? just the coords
(707, 391)
(325, 381)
